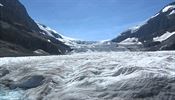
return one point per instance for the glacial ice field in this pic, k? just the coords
(91, 76)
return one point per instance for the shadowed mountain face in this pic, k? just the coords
(20, 35)
(152, 34)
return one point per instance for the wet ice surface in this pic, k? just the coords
(94, 76)
(6, 94)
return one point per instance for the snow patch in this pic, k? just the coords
(168, 7)
(49, 40)
(40, 52)
(163, 37)
(103, 41)
(132, 40)
(172, 12)
(155, 15)
(48, 31)
(1, 5)
(135, 29)
(45, 29)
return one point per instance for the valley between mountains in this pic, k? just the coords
(39, 63)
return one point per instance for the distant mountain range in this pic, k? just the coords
(157, 33)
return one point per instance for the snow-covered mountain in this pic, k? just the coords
(157, 33)
(80, 45)
(47, 31)
(98, 73)
(76, 45)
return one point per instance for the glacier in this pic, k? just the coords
(92, 76)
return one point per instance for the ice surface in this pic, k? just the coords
(97, 75)
(6, 94)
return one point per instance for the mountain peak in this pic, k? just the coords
(169, 7)
(160, 25)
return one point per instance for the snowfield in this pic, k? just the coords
(168, 8)
(132, 40)
(93, 76)
(164, 36)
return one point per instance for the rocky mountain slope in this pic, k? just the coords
(20, 35)
(157, 33)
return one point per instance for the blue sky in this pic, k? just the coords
(92, 19)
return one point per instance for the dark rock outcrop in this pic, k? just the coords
(3, 72)
(28, 82)
(20, 35)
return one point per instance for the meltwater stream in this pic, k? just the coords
(6, 94)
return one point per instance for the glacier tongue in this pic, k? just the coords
(97, 75)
